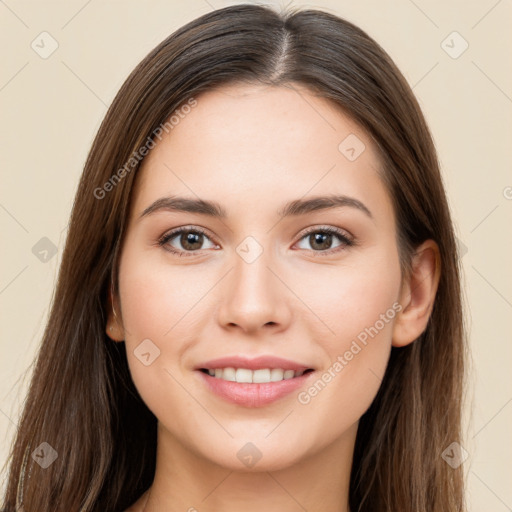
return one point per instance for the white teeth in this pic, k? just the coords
(243, 375)
(229, 374)
(276, 374)
(261, 376)
(289, 374)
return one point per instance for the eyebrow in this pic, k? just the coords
(293, 208)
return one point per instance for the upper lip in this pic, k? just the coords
(256, 363)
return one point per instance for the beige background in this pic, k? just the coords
(51, 108)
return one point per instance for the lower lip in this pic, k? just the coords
(253, 395)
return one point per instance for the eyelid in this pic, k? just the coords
(328, 228)
(191, 227)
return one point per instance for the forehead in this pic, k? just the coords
(242, 144)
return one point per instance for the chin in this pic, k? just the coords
(243, 455)
(264, 464)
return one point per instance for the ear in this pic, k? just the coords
(417, 294)
(114, 327)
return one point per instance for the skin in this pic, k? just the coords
(252, 149)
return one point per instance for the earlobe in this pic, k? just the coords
(418, 294)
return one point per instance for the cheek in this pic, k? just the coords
(364, 305)
(157, 300)
(352, 299)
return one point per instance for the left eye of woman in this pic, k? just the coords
(318, 237)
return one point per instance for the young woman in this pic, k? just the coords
(258, 305)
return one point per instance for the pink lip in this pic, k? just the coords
(252, 395)
(256, 363)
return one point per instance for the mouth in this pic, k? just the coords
(253, 382)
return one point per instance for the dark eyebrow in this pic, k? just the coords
(293, 208)
(183, 204)
(302, 206)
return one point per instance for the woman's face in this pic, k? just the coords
(255, 284)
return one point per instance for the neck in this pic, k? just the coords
(185, 481)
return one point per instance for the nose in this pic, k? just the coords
(254, 297)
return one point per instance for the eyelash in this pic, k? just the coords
(346, 241)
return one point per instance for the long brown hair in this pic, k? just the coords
(82, 401)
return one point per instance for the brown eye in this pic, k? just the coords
(321, 240)
(191, 241)
(188, 240)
